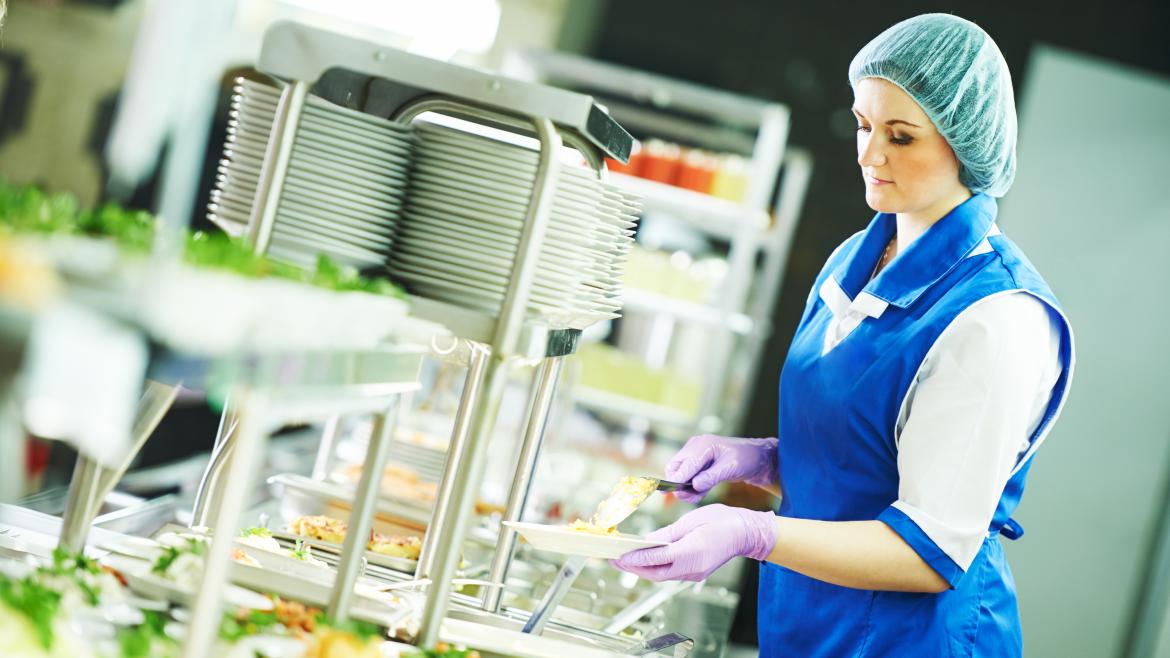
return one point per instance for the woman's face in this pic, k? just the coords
(907, 165)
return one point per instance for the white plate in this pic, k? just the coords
(324, 238)
(294, 185)
(426, 210)
(366, 137)
(307, 181)
(292, 238)
(329, 140)
(447, 230)
(339, 227)
(461, 190)
(560, 539)
(142, 581)
(320, 206)
(504, 642)
(370, 174)
(356, 181)
(555, 266)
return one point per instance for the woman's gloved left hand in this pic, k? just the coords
(702, 541)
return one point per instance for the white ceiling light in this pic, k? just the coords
(435, 28)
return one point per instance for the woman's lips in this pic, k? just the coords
(877, 181)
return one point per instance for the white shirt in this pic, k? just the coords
(978, 397)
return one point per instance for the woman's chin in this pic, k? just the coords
(880, 199)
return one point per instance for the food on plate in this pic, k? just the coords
(395, 546)
(327, 528)
(443, 650)
(182, 564)
(353, 640)
(404, 483)
(397, 481)
(304, 553)
(581, 525)
(291, 616)
(26, 210)
(294, 615)
(148, 639)
(38, 609)
(324, 528)
(238, 555)
(260, 538)
(627, 494)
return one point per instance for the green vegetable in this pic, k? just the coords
(256, 532)
(75, 567)
(37, 602)
(444, 652)
(26, 209)
(172, 553)
(234, 627)
(300, 551)
(143, 641)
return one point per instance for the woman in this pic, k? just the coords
(927, 369)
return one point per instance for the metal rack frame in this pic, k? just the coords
(342, 70)
(654, 102)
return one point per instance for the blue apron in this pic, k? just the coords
(837, 455)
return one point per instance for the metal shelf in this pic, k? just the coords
(537, 338)
(658, 415)
(712, 215)
(635, 300)
(299, 52)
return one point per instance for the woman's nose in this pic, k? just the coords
(869, 152)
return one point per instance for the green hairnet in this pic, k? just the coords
(956, 73)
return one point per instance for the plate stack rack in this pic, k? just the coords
(338, 86)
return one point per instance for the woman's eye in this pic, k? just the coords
(862, 129)
(901, 140)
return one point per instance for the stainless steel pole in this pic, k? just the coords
(507, 332)
(327, 451)
(12, 443)
(80, 505)
(456, 448)
(157, 400)
(251, 437)
(275, 166)
(210, 491)
(469, 475)
(544, 389)
(361, 516)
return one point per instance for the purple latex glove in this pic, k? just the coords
(706, 460)
(702, 541)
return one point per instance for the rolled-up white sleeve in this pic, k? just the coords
(979, 396)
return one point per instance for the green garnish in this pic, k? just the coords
(447, 652)
(172, 553)
(38, 603)
(256, 532)
(235, 627)
(142, 641)
(74, 567)
(301, 551)
(26, 209)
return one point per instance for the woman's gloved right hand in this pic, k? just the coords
(706, 460)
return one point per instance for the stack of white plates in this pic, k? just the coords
(462, 223)
(345, 184)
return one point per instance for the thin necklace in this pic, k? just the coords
(885, 259)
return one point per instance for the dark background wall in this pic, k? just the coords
(799, 52)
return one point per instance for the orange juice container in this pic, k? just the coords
(660, 161)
